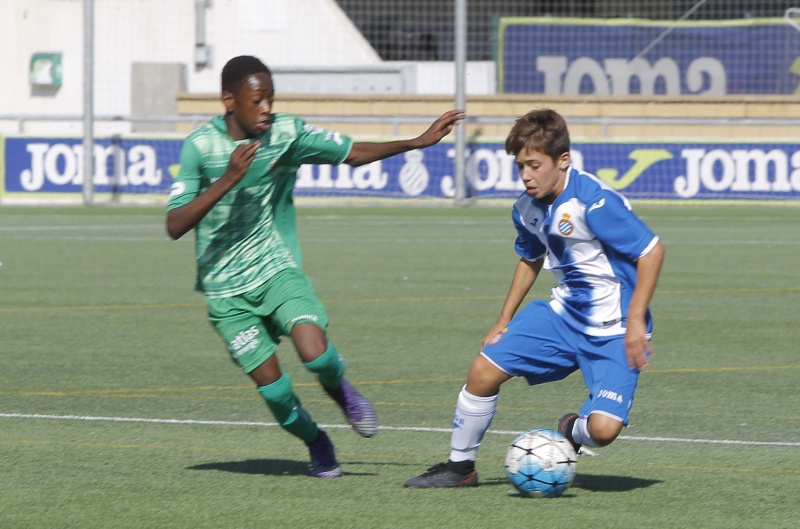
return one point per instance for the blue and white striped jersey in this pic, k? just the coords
(591, 240)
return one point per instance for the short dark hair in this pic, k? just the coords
(240, 68)
(542, 130)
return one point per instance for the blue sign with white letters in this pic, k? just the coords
(621, 57)
(640, 170)
(55, 165)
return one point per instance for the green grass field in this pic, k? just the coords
(119, 407)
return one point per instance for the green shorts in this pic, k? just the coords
(251, 324)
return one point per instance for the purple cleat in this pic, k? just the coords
(323, 460)
(357, 409)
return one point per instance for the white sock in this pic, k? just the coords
(580, 433)
(472, 419)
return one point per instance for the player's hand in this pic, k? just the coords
(496, 330)
(441, 127)
(637, 346)
(241, 158)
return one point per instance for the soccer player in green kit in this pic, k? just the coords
(235, 189)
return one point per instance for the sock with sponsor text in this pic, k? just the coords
(472, 418)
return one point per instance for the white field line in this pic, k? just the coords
(194, 422)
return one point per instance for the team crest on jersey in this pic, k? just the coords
(497, 337)
(565, 227)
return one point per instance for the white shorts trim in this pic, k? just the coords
(610, 415)
(497, 366)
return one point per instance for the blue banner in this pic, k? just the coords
(621, 57)
(695, 170)
(640, 170)
(55, 165)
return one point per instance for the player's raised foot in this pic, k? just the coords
(357, 409)
(565, 425)
(440, 477)
(323, 459)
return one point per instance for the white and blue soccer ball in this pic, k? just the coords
(541, 463)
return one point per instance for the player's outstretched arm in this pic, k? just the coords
(366, 152)
(181, 220)
(648, 268)
(525, 275)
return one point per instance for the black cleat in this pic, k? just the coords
(565, 425)
(439, 477)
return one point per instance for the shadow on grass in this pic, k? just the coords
(267, 467)
(593, 483)
(490, 482)
(602, 483)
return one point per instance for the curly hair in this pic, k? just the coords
(240, 68)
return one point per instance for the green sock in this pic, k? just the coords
(329, 367)
(286, 408)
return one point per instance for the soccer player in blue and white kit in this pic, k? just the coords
(606, 262)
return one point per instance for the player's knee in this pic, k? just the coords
(603, 430)
(484, 378)
(309, 341)
(329, 365)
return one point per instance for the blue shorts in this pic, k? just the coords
(540, 346)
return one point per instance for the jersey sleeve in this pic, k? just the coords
(186, 185)
(528, 245)
(315, 145)
(618, 227)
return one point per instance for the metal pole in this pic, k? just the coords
(202, 51)
(88, 101)
(461, 100)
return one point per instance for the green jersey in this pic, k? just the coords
(249, 235)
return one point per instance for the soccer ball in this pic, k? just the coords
(541, 463)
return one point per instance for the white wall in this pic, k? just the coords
(28, 26)
(439, 78)
(283, 33)
(127, 31)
